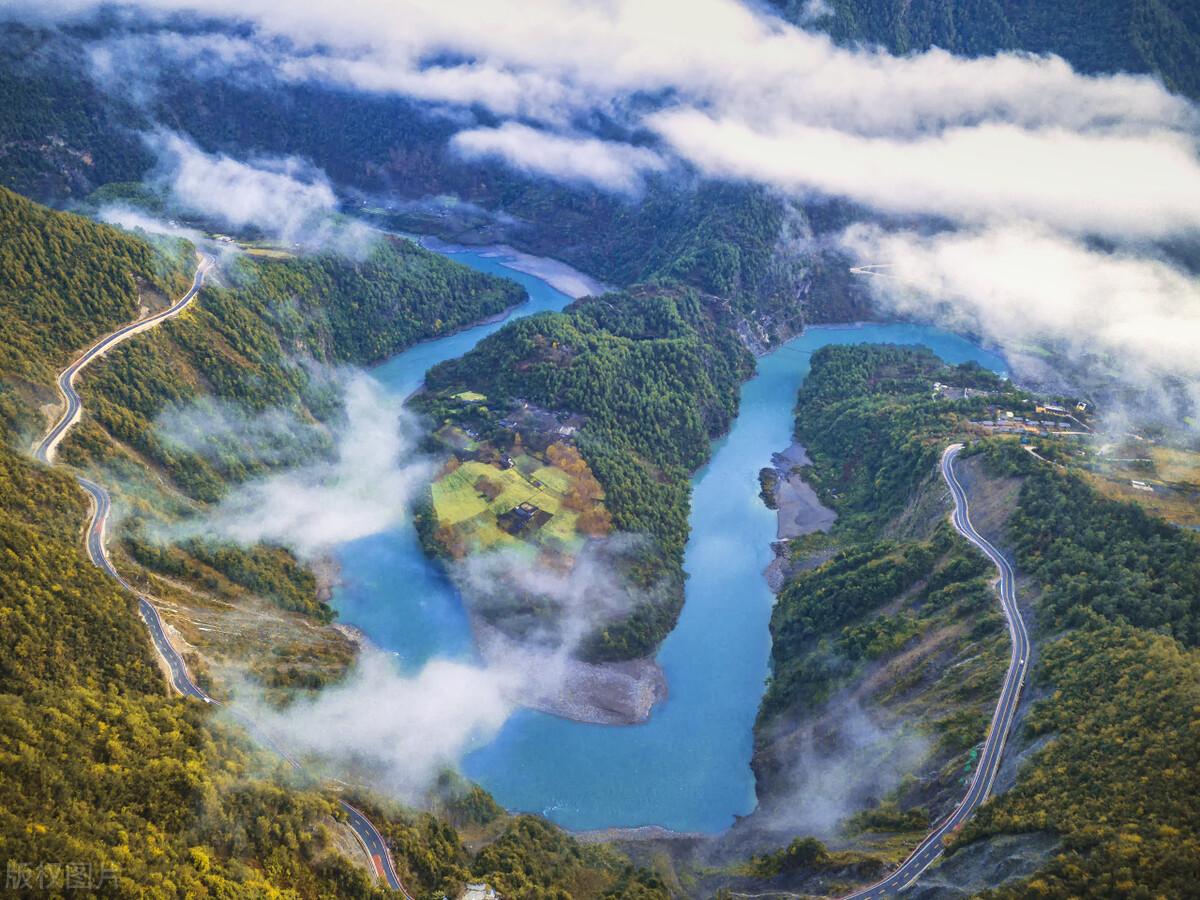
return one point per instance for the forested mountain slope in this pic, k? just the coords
(98, 765)
(141, 792)
(252, 343)
(904, 621)
(738, 241)
(65, 279)
(1160, 37)
(265, 340)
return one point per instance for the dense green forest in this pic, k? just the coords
(873, 428)
(527, 858)
(655, 373)
(49, 309)
(1154, 36)
(1114, 621)
(62, 136)
(1091, 553)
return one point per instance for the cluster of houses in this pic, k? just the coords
(1047, 419)
(1007, 422)
(525, 517)
(547, 424)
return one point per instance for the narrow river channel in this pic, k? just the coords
(688, 767)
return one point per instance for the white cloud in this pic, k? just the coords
(532, 60)
(814, 11)
(283, 196)
(364, 490)
(604, 164)
(836, 765)
(1079, 182)
(133, 219)
(575, 596)
(1021, 282)
(398, 731)
(401, 730)
(222, 431)
(744, 94)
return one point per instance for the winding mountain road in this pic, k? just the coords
(984, 778)
(101, 506)
(368, 835)
(66, 378)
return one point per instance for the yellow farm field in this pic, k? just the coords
(1177, 466)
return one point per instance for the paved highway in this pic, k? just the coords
(66, 378)
(930, 849)
(368, 835)
(101, 505)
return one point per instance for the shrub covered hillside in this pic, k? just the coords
(98, 766)
(891, 613)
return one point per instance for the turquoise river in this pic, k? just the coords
(688, 767)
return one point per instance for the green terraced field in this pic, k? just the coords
(458, 503)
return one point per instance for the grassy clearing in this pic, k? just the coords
(1166, 504)
(1172, 475)
(455, 499)
(555, 480)
(472, 498)
(1177, 466)
(269, 253)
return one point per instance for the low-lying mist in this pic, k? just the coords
(393, 730)
(839, 764)
(364, 487)
(398, 730)
(1112, 316)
